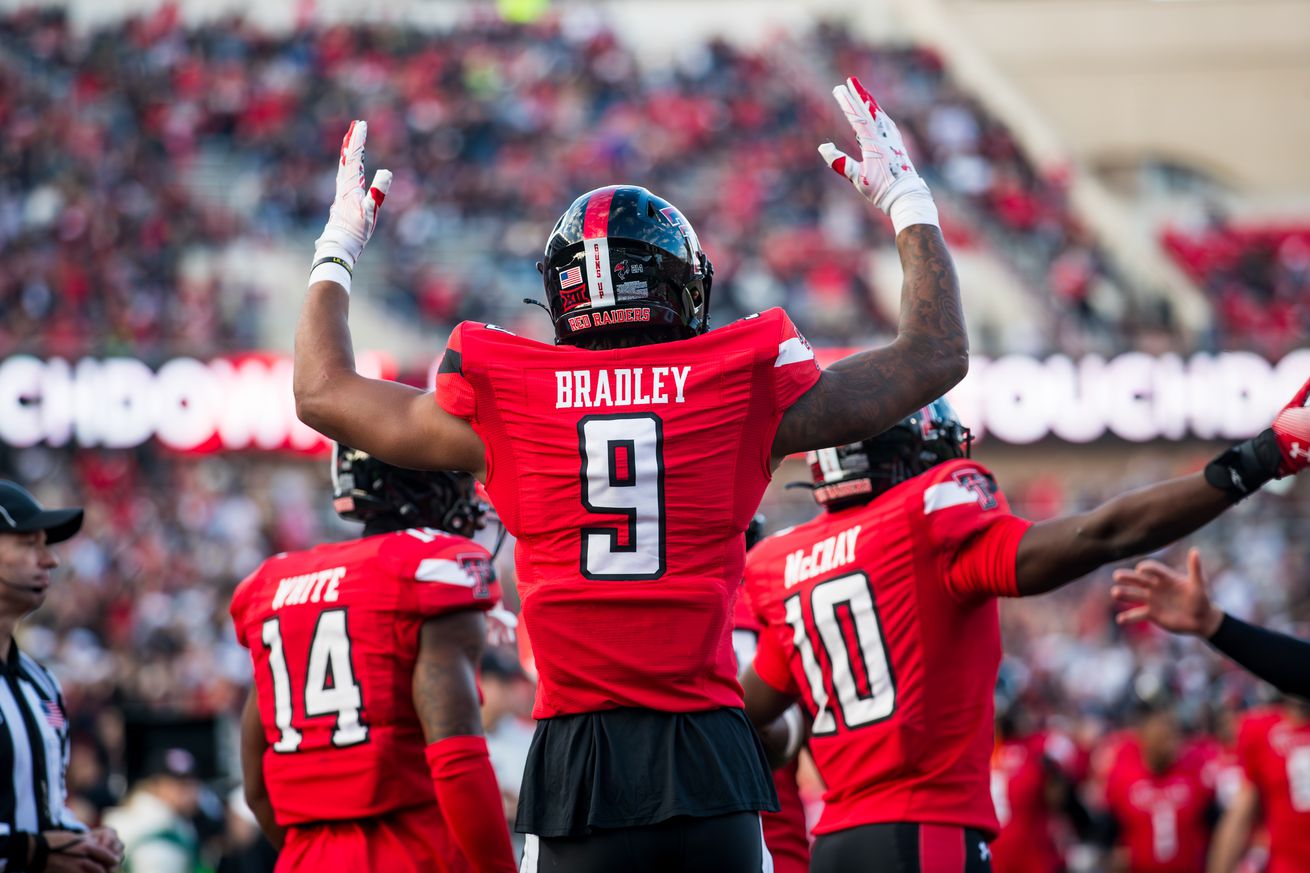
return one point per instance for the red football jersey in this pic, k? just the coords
(334, 633)
(1164, 819)
(628, 478)
(1274, 751)
(785, 832)
(1026, 843)
(883, 618)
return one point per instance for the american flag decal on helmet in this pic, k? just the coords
(570, 277)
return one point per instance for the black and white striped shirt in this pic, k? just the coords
(33, 751)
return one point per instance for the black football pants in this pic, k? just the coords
(901, 847)
(718, 844)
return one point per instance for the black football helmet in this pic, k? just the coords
(364, 489)
(858, 472)
(621, 258)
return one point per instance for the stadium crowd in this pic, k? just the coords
(469, 118)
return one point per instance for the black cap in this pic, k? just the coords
(20, 513)
(176, 762)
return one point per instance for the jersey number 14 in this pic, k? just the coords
(330, 686)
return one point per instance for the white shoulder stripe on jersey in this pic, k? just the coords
(944, 495)
(793, 351)
(597, 269)
(444, 570)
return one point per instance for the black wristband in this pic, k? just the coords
(345, 265)
(18, 846)
(40, 853)
(1240, 470)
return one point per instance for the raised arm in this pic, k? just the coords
(446, 700)
(862, 395)
(1059, 551)
(397, 423)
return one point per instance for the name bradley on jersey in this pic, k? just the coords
(828, 554)
(309, 588)
(633, 386)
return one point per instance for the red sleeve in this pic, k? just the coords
(238, 607)
(466, 789)
(444, 573)
(794, 369)
(454, 391)
(772, 663)
(975, 534)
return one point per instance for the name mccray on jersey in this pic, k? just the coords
(628, 477)
(882, 618)
(334, 634)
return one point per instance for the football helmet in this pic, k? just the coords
(364, 489)
(858, 472)
(621, 258)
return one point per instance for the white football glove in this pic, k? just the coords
(886, 176)
(354, 212)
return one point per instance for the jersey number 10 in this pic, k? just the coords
(850, 637)
(329, 656)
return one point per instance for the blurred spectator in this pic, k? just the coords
(155, 820)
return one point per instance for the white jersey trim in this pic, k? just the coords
(793, 351)
(444, 570)
(944, 495)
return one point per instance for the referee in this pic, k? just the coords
(37, 830)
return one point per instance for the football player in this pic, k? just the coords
(627, 459)
(365, 654)
(1032, 790)
(881, 616)
(1160, 807)
(1273, 748)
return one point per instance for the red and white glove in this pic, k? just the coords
(1280, 450)
(354, 212)
(886, 175)
(1292, 431)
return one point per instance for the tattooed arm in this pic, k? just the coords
(864, 394)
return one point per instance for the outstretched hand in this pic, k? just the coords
(354, 212)
(1162, 595)
(885, 175)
